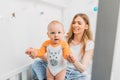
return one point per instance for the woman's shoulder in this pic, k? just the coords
(90, 45)
(90, 42)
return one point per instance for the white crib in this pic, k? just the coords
(23, 73)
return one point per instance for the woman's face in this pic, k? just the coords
(79, 25)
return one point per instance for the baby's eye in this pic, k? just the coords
(59, 32)
(52, 33)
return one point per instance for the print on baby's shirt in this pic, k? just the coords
(53, 56)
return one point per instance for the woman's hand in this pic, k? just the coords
(71, 58)
(31, 52)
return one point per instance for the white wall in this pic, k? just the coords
(27, 28)
(81, 6)
(115, 75)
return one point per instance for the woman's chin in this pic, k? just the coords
(76, 32)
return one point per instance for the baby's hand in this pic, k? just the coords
(71, 58)
(28, 51)
(31, 52)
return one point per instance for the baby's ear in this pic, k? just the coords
(48, 34)
(63, 32)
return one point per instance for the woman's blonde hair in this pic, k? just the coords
(87, 35)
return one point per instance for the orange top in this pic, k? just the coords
(63, 44)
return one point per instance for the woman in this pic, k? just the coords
(81, 44)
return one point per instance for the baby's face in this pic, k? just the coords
(55, 33)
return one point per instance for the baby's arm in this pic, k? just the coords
(34, 53)
(41, 52)
(66, 50)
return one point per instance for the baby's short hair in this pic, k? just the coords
(55, 22)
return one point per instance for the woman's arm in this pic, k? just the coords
(81, 66)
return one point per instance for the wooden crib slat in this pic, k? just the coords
(13, 78)
(18, 74)
(16, 77)
(24, 75)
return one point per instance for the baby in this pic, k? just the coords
(56, 49)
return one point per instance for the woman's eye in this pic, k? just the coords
(52, 33)
(79, 22)
(73, 22)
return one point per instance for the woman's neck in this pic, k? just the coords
(77, 39)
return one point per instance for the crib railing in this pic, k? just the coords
(23, 73)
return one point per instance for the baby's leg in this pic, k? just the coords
(49, 75)
(61, 75)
